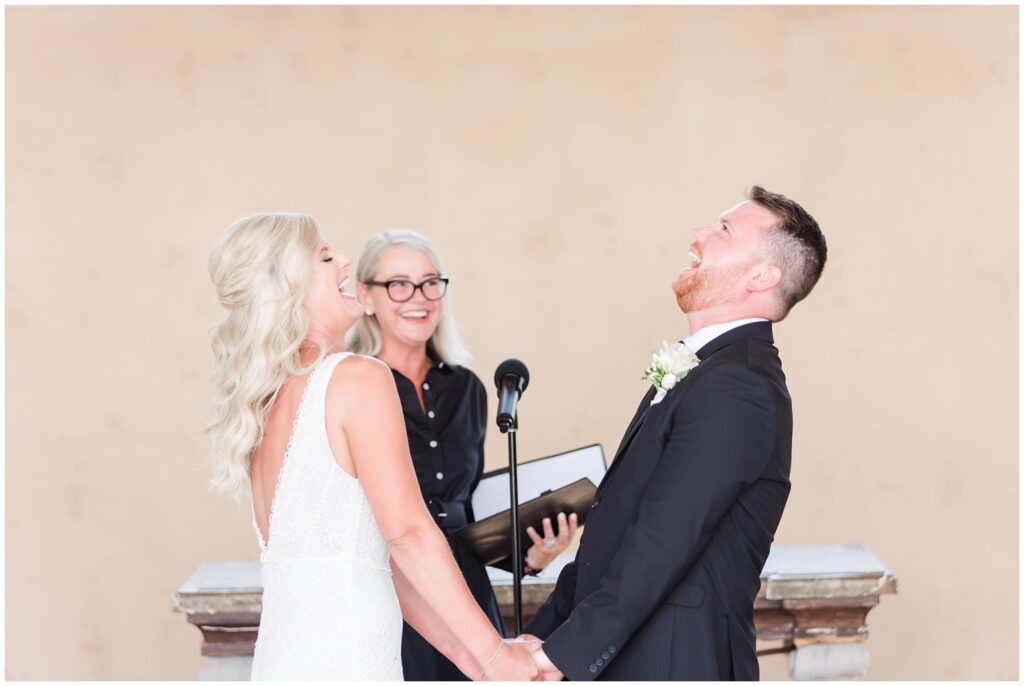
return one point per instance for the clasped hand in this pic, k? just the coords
(522, 660)
(548, 670)
(512, 662)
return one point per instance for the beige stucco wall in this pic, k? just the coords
(558, 157)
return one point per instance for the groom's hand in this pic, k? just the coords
(548, 669)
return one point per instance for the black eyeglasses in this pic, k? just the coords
(400, 290)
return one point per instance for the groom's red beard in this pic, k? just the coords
(707, 289)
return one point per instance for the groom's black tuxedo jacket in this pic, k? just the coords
(664, 582)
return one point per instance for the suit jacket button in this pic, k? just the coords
(611, 649)
(598, 662)
(606, 654)
(593, 668)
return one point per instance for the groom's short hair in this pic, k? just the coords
(794, 243)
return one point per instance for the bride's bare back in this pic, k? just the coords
(269, 455)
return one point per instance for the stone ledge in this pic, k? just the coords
(810, 597)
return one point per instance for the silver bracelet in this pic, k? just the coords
(493, 657)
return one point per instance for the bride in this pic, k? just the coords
(316, 435)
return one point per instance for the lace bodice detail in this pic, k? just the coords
(329, 604)
(319, 510)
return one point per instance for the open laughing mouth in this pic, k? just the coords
(414, 314)
(341, 289)
(695, 256)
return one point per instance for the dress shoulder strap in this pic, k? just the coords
(320, 377)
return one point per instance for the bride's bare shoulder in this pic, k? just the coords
(362, 366)
(363, 375)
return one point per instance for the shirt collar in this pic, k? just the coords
(439, 364)
(709, 333)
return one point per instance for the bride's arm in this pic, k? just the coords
(421, 617)
(372, 422)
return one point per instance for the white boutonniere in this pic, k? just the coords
(668, 367)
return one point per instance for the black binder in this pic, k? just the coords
(490, 539)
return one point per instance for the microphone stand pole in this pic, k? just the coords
(517, 562)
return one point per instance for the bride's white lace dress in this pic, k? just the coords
(329, 604)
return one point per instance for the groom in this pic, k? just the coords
(664, 582)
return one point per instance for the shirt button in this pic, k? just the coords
(426, 386)
(440, 476)
(433, 444)
(431, 414)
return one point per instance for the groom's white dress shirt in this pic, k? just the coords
(698, 340)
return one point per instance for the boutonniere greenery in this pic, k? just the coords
(668, 367)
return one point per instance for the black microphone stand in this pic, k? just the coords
(517, 563)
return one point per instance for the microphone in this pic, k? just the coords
(511, 378)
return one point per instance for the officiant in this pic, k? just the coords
(409, 326)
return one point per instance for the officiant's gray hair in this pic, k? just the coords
(365, 337)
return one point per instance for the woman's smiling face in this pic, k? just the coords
(328, 305)
(410, 323)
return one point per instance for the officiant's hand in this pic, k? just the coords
(549, 671)
(546, 549)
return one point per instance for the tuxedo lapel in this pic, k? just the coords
(634, 426)
(759, 330)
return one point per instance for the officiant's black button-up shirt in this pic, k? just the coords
(446, 439)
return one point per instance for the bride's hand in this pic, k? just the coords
(549, 672)
(513, 663)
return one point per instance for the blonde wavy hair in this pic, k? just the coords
(261, 268)
(365, 337)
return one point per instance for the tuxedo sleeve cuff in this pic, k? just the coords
(572, 658)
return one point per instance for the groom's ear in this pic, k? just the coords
(763, 277)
